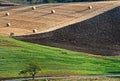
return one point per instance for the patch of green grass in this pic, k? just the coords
(14, 55)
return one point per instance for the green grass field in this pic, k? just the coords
(14, 55)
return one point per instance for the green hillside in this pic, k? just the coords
(14, 55)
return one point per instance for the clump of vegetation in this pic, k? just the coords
(64, 53)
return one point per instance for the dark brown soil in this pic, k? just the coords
(99, 35)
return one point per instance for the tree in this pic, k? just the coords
(33, 68)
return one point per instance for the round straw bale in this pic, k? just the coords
(33, 8)
(7, 13)
(8, 24)
(11, 34)
(90, 7)
(52, 11)
(34, 30)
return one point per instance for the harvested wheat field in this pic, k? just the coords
(24, 19)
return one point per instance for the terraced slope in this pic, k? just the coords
(23, 20)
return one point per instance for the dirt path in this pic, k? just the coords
(67, 77)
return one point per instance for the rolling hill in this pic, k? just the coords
(73, 26)
(14, 55)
